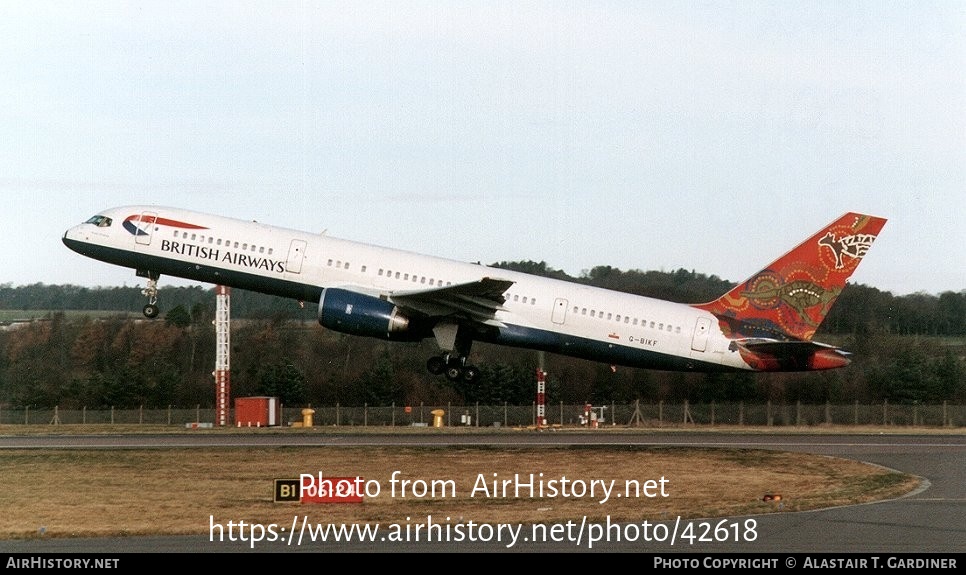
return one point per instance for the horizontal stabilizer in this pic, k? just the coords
(774, 355)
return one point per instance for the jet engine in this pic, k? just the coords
(359, 314)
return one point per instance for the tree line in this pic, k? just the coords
(907, 349)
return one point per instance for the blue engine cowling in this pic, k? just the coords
(358, 314)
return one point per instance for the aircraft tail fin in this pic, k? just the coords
(790, 298)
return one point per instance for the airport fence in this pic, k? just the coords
(637, 414)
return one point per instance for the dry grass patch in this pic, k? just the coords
(176, 491)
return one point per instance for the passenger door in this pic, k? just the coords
(699, 342)
(145, 228)
(296, 253)
(559, 311)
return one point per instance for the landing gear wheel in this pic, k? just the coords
(151, 292)
(436, 365)
(470, 374)
(454, 373)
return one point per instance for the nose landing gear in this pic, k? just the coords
(151, 310)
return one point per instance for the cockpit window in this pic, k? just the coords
(100, 221)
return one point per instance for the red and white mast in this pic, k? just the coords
(541, 399)
(222, 371)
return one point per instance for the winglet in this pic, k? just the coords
(790, 298)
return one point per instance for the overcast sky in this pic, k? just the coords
(711, 136)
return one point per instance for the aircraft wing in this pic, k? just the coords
(477, 301)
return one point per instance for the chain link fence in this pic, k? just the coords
(637, 414)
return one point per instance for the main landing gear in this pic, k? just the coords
(454, 368)
(151, 310)
(455, 343)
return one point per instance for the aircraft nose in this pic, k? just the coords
(73, 238)
(68, 238)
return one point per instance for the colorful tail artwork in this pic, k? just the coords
(790, 298)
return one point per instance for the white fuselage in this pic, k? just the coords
(542, 313)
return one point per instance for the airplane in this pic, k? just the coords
(765, 323)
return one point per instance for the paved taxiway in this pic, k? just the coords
(933, 519)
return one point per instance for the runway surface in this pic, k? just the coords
(933, 519)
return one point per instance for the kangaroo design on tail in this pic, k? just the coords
(854, 246)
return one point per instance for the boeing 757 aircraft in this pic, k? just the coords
(764, 324)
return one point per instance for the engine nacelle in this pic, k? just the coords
(358, 314)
